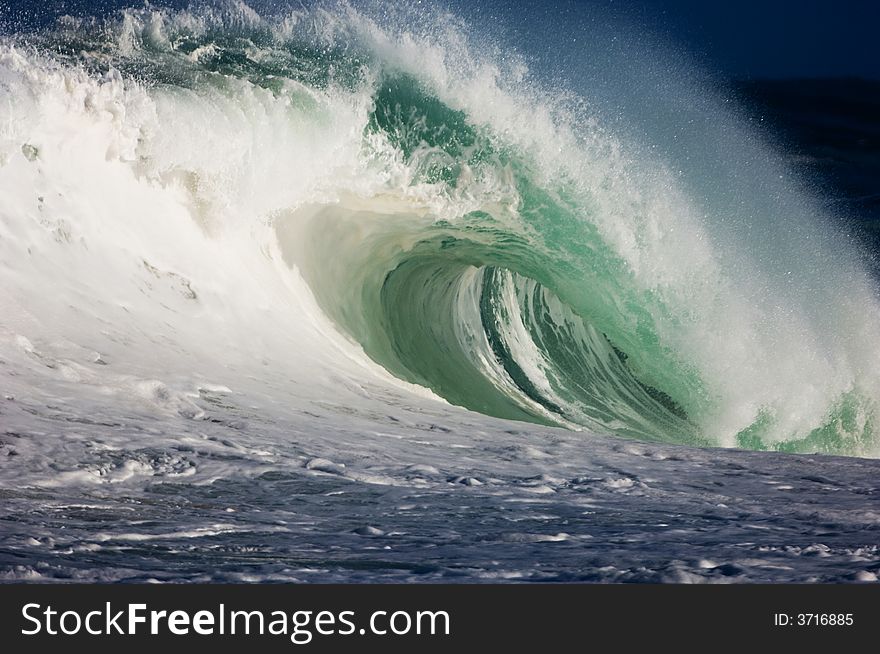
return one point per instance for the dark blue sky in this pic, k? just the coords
(737, 38)
(776, 38)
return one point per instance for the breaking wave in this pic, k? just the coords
(377, 191)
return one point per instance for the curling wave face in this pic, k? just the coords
(371, 200)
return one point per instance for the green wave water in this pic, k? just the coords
(484, 236)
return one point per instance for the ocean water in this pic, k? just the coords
(360, 292)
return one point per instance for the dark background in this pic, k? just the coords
(775, 38)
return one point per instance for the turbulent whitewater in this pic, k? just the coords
(355, 293)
